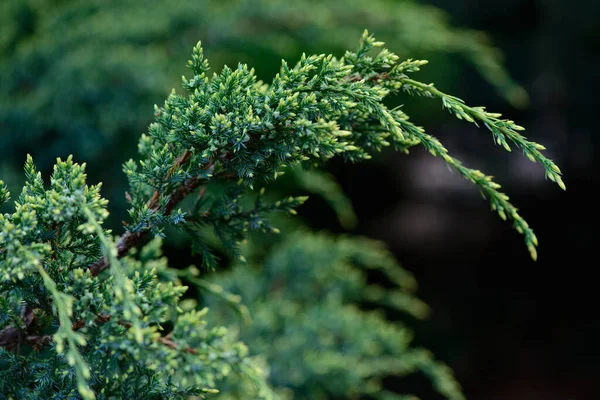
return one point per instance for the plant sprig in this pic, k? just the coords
(319, 108)
(504, 130)
(63, 306)
(387, 72)
(499, 201)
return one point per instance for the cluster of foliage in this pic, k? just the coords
(80, 77)
(304, 297)
(83, 318)
(95, 337)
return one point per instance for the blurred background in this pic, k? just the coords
(81, 78)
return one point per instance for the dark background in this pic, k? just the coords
(511, 328)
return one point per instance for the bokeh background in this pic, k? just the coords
(81, 78)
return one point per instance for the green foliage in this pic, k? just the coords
(319, 344)
(104, 334)
(4, 193)
(79, 77)
(83, 317)
(320, 183)
(234, 127)
(46, 220)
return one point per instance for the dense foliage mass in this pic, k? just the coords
(304, 299)
(83, 316)
(94, 335)
(79, 77)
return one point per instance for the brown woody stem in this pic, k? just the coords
(131, 239)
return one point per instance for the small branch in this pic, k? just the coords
(124, 245)
(11, 337)
(166, 340)
(131, 239)
(375, 78)
(37, 342)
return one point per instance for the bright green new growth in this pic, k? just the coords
(104, 333)
(55, 85)
(98, 323)
(234, 127)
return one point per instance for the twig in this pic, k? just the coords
(11, 337)
(131, 239)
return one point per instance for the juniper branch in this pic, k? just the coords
(38, 341)
(130, 238)
(65, 333)
(303, 115)
(499, 201)
(229, 128)
(500, 128)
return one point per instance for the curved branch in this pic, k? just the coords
(131, 239)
